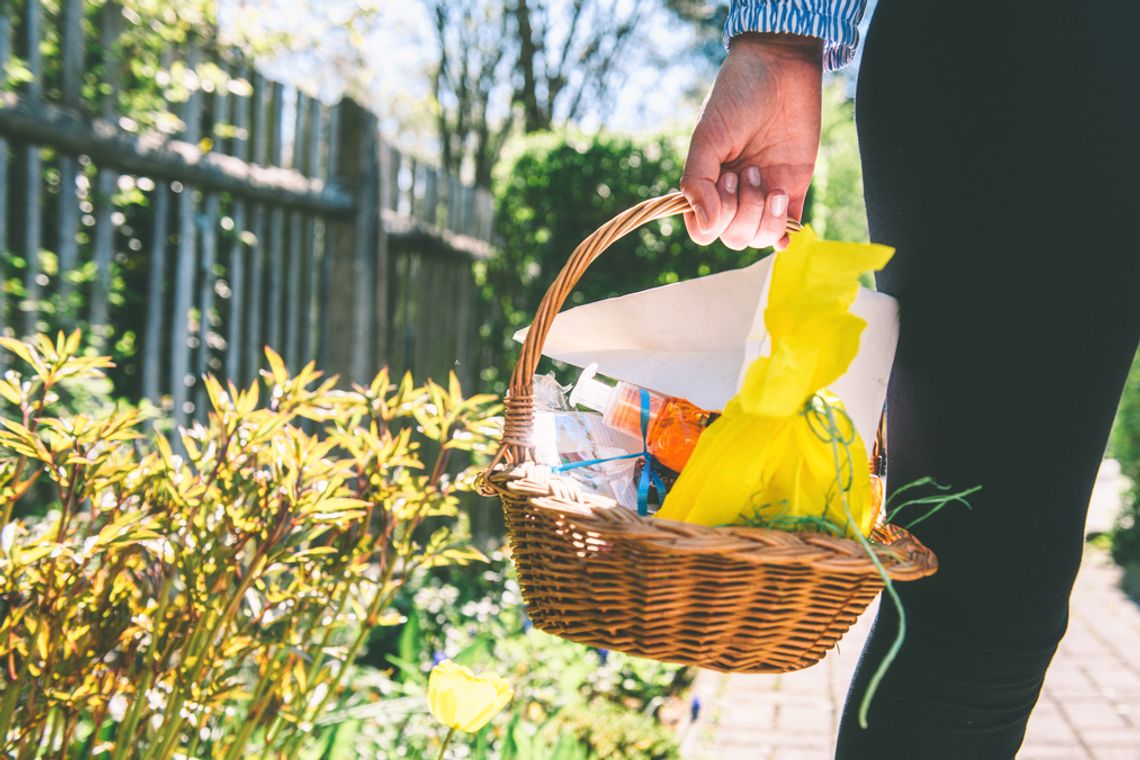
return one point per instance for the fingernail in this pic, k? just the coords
(730, 182)
(752, 176)
(702, 217)
(779, 203)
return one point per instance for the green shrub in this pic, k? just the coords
(1125, 448)
(206, 603)
(610, 730)
(556, 189)
(553, 193)
(477, 620)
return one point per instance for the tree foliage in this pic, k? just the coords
(554, 193)
(556, 190)
(526, 64)
(707, 19)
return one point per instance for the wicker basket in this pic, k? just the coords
(730, 599)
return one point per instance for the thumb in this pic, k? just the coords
(698, 183)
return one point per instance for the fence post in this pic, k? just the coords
(312, 254)
(389, 198)
(5, 53)
(32, 167)
(276, 250)
(240, 147)
(181, 380)
(105, 182)
(355, 246)
(328, 171)
(156, 280)
(71, 70)
(430, 207)
(258, 252)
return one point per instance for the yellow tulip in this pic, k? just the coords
(770, 455)
(463, 701)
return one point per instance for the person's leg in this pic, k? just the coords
(1001, 153)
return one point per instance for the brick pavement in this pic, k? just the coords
(1089, 707)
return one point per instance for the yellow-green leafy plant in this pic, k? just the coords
(207, 596)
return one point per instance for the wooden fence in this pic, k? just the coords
(267, 218)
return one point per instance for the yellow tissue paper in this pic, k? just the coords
(769, 457)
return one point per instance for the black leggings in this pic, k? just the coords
(1001, 158)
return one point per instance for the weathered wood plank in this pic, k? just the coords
(454, 204)
(424, 320)
(378, 281)
(277, 245)
(104, 251)
(181, 381)
(32, 171)
(32, 33)
(257, 262)
(207, 279)
(71, 70)
(404, 310)
(438, 324)
(298, 155)
(5, 164)
(237, 279)
(311, 254)
(294, 312)
(71, 51)
(26, 120)
(105, 181)
(465, 325)
(67, 243)
(32, 167)
(430, 206)
(329, 170)
(412, 232)
(415, 168)
(276, 123)
(467, 215)
(260, 227)
(275, 262)
(392, 178)
(152, 355)
(352, 247)
(240, 145)
(293, 304)
(485, 213)
(208, 318)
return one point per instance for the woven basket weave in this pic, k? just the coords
(731, 599)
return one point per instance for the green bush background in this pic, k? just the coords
(1125, 448)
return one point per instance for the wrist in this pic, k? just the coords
(778, 44)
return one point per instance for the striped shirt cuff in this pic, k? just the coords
(836, 22)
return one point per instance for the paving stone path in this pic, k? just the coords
(1089, 708)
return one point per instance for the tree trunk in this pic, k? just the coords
(534, 120)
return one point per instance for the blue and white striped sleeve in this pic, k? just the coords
(836, 22)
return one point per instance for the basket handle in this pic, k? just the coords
(519, 404)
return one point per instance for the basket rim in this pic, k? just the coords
(902, 555)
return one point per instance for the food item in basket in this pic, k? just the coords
(550, 395)
(582, 447)
(673, 427)
(785, 449)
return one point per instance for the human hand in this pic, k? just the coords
(754, 148)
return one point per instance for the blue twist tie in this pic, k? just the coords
(647, 474)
